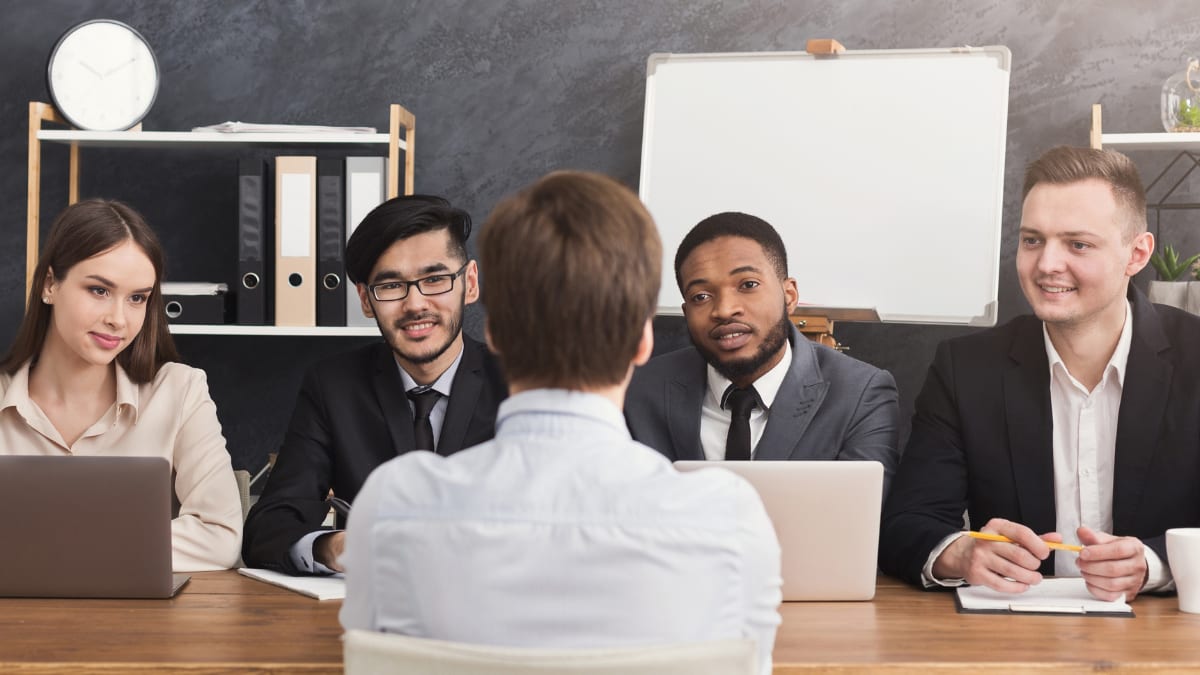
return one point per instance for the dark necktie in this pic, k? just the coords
(739, 402)
(423, 398)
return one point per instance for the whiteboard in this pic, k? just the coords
(882, 170)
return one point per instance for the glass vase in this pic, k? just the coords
(1181, 99)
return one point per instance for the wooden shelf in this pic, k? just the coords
(159, 139)
(275, 331)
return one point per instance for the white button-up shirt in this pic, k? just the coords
(714, 420)
(561, 532)
(1085, 444)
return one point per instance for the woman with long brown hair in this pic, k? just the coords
(93, 371)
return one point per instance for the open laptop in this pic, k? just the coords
(86, 527)
(826, 515)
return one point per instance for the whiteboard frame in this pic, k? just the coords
(1000, 56)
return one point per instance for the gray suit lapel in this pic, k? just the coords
(800, 396)
(684, 398)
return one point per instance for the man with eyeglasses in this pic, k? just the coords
(426, 387)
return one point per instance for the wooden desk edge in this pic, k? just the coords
(110, 668)
(917, 668)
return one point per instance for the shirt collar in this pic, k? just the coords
(767, 386)
(127, 393)
(546, 411)
(1116, 363)
(17, 394)
(441, 385)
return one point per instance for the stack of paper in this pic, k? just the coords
(321, 588)
(253, 127)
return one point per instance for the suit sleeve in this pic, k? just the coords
(207, 533)
(293, 501)
(929, 494)
(873, 433)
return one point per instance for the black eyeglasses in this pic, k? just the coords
(437, 284)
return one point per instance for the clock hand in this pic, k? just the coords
(110, 71)
(89, 68)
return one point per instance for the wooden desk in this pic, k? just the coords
(905, 630)
(225, 622)
(220, 622)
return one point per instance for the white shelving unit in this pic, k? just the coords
(41, 113)
(163, 139)
(1189, 142)
(275, 331)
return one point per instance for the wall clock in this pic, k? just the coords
(102, 76)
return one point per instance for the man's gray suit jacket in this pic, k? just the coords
(829, 406)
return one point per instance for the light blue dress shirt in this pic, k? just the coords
(562, 532)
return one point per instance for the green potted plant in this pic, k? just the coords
(1172, 287)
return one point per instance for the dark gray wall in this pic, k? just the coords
(505, 91)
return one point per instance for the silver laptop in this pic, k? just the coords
(86, 527)
(826, 515)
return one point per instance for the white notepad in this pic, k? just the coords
(321, 588)
(1060, 595)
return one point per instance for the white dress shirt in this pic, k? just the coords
(1085, 446)
(302, 550)
(562, 532)
(442, 386)
(714, 420)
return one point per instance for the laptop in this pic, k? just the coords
(86, 527)
(826, 515)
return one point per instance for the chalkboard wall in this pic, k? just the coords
(506, 91)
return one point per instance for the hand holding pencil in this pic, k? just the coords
(1005, 556)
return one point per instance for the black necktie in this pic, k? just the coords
(739, 402)
(423, 398)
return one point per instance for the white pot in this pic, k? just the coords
(1193, 297)
(1173, 293)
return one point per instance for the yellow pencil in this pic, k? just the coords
(999, 537)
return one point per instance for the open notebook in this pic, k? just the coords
(1057, 595)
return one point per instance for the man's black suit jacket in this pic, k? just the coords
(982, 439)
(353, 415)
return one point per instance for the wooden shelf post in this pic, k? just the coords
(38, 113)
(400, 117)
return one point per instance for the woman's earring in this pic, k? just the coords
(45, 299)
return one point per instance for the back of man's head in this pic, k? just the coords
(572, 267)
(1065, 164)
(400, 218)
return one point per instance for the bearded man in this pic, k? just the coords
(751, 387)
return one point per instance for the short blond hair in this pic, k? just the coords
(1065, 164)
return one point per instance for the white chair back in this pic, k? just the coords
(368, 653)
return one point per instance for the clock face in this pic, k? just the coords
(102, 76)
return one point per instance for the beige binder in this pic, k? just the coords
(295, 241)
